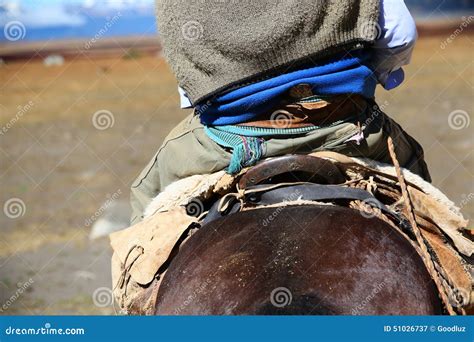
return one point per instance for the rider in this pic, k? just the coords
(268, 78)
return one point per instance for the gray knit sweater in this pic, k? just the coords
(216, 45)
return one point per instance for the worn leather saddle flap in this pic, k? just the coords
(446, 220)
(149, 243)
(450, 223)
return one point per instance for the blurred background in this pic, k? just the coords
(86, 99)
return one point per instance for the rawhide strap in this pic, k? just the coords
(268, 194)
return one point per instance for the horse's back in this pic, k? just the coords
(304, 259)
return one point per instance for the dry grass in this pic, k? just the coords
(62, 167)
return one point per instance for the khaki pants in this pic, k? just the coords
(187, 151)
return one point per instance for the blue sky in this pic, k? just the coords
(44, 13)
(63, 19)
(70, 19)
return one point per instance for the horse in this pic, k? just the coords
(297, 260)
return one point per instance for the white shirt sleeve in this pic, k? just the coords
(183, 98)
(394, 47)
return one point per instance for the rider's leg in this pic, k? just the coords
(186, 151)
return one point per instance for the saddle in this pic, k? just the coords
(143, 251)
(306, 177)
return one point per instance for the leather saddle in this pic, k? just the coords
(290, 178)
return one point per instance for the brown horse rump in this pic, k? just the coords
(143, 251)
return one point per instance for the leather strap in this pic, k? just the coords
(309, 114)
(320, 169)
(288, 192)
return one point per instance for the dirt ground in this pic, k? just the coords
(59, 163)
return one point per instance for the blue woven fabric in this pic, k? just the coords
(343, 75)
